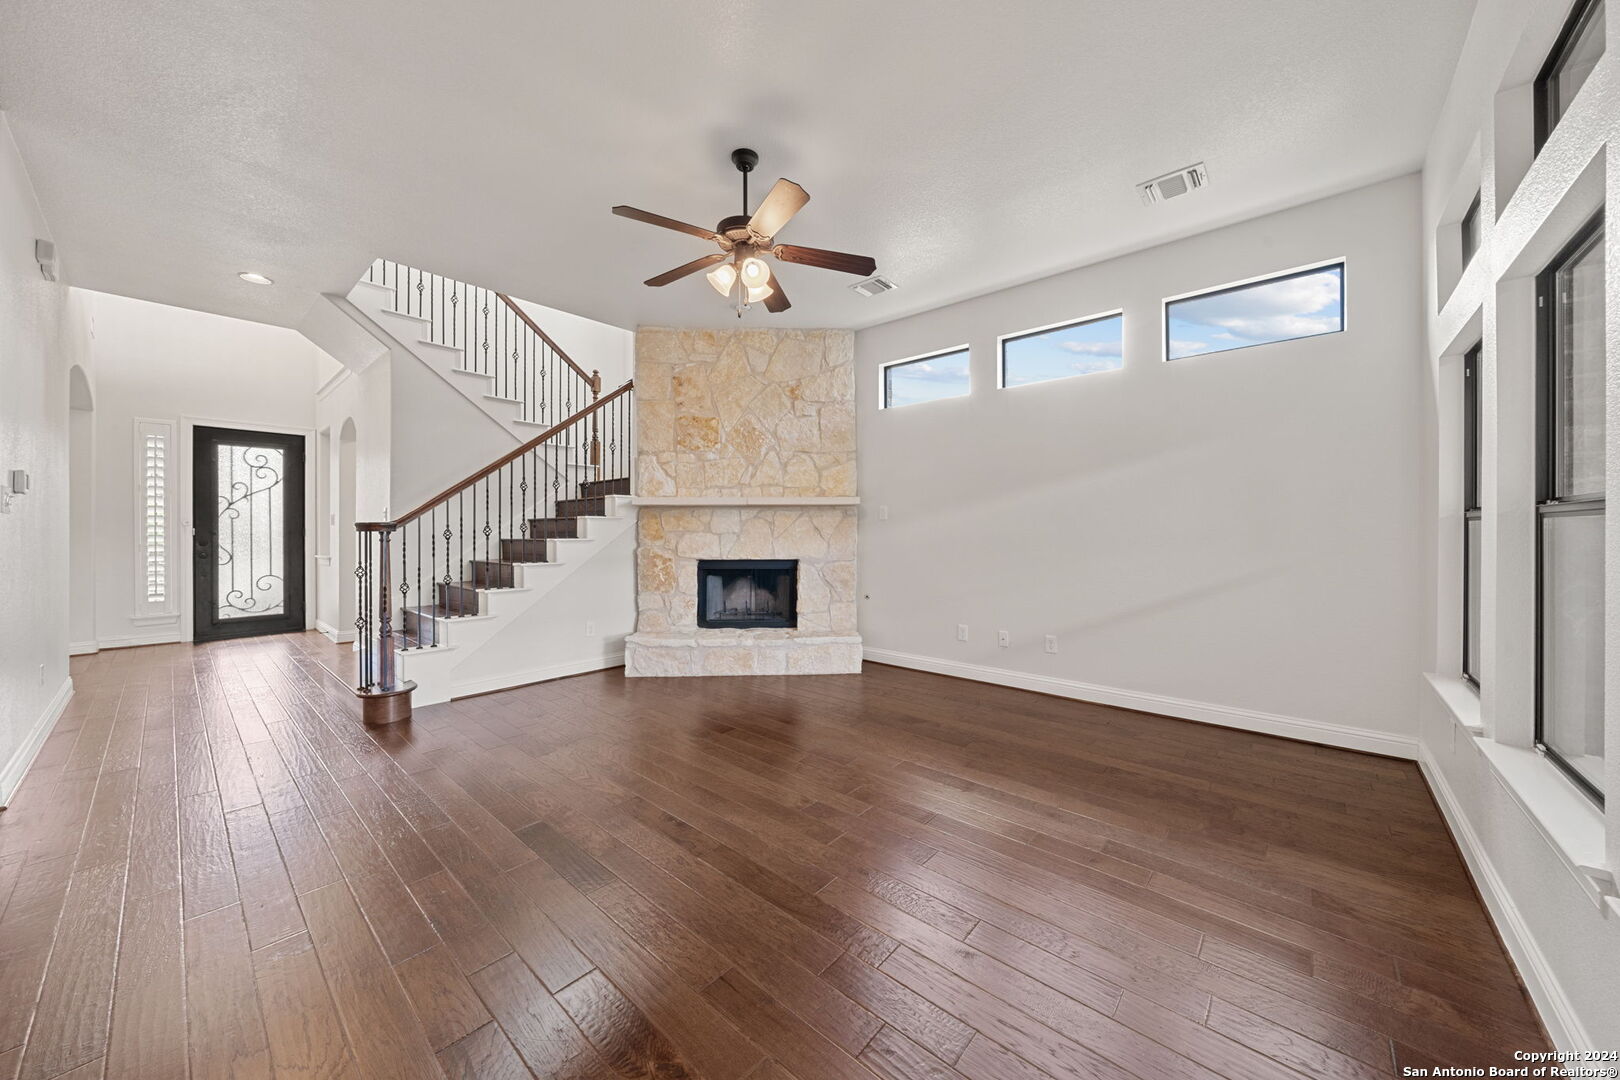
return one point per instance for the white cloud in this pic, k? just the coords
(1091, 348)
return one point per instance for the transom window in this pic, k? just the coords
(1083, 347)
(1296, 304)
(933, 377)
(1579, 48)
(1570, 510)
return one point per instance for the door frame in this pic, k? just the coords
(187, 498)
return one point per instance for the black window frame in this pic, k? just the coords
(1548, 500)
(1472, 510)
(1041, 331)
(1470, 231)
(1341, 264)
(1546, 101)
(885, 393)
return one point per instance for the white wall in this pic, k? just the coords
(356, 478)
(1542, 853)
(1232, 538)
(40, 340)
(158, 362)
(82, 525)
(592, 345)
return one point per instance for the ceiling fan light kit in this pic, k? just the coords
(739, 270)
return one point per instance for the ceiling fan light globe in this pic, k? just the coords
(754, 272)
(722, 277)
(756, 293)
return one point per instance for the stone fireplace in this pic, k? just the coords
(745, 484)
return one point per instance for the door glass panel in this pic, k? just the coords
(250, 560)
(1471, 536)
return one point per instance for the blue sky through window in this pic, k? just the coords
(1078, 349)
(929, 379)
(1300, 305)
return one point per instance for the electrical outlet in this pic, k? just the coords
(961, 631)
(1003, 638)
(1051, 643)
(590, 629)
(42, 674)
(883, 513)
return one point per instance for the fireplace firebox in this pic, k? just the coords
(747, 593)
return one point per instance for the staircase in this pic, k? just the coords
(449, 594)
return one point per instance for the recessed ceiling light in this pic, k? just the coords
(254, 279)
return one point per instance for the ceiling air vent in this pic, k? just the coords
(874, 286)
(1174, 184)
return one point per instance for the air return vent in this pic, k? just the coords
(874, 286)
(1174, 184)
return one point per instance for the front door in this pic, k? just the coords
(247, 534)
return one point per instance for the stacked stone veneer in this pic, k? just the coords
(736, 415)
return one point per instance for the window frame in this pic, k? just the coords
(1470, 217)
(1472, 510)
(1548, 501)
(166, 605)
(1019, 335)
(1262, 279)
(1575, 22)
(883, 375)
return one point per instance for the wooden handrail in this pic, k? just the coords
(594, 378)
(383, 526)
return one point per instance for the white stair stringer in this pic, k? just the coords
(440, 673)
(375, 303)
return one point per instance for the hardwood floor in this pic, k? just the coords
(213, 870)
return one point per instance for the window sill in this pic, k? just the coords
(1569, 822)
(1459, 696)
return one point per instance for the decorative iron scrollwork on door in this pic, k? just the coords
(250, 559)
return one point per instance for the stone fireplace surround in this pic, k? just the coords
(745, 450)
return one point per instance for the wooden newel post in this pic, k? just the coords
(388, 700)
(596, 439)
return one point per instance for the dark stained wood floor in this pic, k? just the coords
(213, 870)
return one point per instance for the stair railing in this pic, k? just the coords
(496, 337)
(424, 568)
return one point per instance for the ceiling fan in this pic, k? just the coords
(739, 267)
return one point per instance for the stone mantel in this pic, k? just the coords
(746, 500)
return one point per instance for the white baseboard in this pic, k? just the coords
(83, 648)
(14, 769)
(1289, 727)
(333, 634)
(167, 636)
(1551, 1001)
(485, 685)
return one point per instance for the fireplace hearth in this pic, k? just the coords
(747, 593)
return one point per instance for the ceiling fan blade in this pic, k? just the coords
(784, 200)
(688, 268)
(668, 223)
(860, 265)
(778, 300)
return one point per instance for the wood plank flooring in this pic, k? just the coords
(213, 870)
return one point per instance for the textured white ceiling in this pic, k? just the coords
(966, 147)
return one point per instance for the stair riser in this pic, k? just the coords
(522, 551)
(596, 507)
(597, 488)
(489, 574)
(423, 629)
(553, 528)
(457, 599)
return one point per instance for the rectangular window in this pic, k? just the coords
(1296, 304)
(1570, 509)
(926, 378)
(1470, 232)
(1576, 53)
(1473, 525)
(1083, 347)
(154, 495)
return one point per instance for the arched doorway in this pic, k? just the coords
(343, 543)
